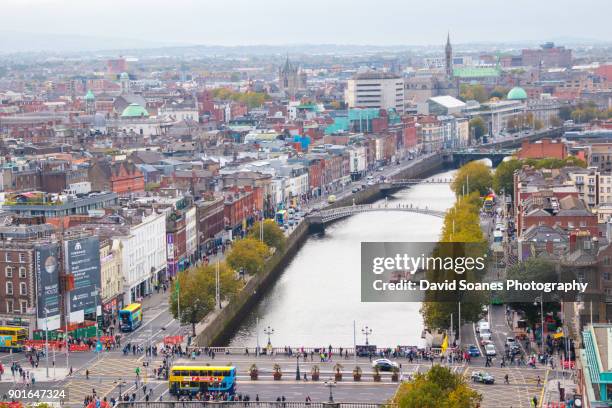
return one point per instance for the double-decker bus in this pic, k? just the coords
(281, 217)
(193, 379)
(130, 317)
(12, 338)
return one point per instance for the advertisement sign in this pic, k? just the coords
(83, 262)
(47, 267)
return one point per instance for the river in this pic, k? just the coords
(317, 297)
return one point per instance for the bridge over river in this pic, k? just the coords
(318, 219)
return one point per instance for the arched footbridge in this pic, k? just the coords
(320, 218)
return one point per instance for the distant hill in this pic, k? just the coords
(15, 42)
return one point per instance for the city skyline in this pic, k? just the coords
(275, 22)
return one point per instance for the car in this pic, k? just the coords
(490, 350)
(473, 350)
(510, 342)
(355, 190)
(485, 334)
(384, 364)
(483, 377)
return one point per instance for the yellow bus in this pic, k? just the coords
(194, 379)
(12, 338)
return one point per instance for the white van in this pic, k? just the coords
(483, 325)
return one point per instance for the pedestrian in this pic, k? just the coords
(539, 381)
(87, 374)
(506, 380)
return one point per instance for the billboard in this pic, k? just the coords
(82, 257)
(47, 267)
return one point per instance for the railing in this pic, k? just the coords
(336, 213)
(420, 181)
(253, 404)
(279, 351)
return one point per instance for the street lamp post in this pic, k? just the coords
(535, 303)
(367, 331)
(330, 384)
(269, 331)
(297, 366)
(47, 339)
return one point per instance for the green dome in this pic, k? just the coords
(517, 94)
(89, 96)
(134, 110)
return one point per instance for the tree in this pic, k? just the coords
(248, 255)
(536, 270)
(195, 290)
(473, 92)
(474, 176)
(498, 92)
(273, 236)
(503, 178)
(478, 127)
(555, 121)
(438, 387)
(565, 113)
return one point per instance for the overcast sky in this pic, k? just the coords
(248, 22)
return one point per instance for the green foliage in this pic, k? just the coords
(439, 387)
(503, 178)
(273, 235)
(197, 292)
(550, 163)
(462, 221)
(499, 92)
(538, 270)
(251, 99)
(478, 127)
(473, 92)
(248, 254)
(152, 186)
(474, 176)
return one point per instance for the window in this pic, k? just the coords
(8, 271)
(583, 224)
(23, 289)
(9, 288)
(9, 306)
(22, 272)
(22, 257)
(606, 275)
(570, 224)
(7, 257)
(24, 306)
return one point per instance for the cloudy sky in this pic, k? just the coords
(248, 22)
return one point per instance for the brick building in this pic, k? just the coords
(123, 178)
(17, 283)
(210, 223)
(544, 148)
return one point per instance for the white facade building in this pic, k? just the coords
(144, 256)
(374, 89)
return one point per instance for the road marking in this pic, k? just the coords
(543, 387)
(476, 338)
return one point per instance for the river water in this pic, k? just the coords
(317, 297)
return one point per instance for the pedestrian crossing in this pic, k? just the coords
(79, 389)
(117, 366)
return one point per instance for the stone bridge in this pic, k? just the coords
(317, 220)
(461, 157)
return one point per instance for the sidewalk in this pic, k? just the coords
(550, 393)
